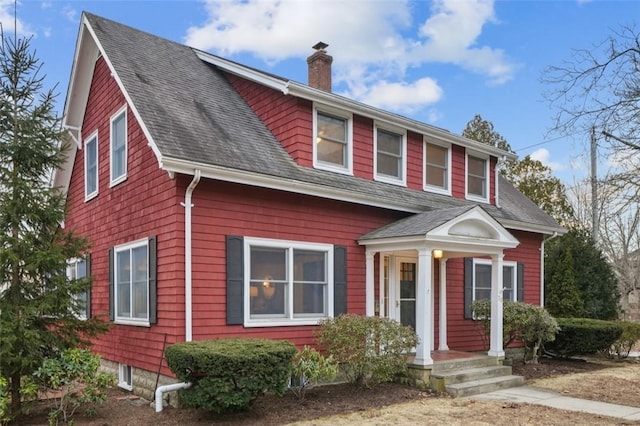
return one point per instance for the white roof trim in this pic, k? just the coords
(316, 95)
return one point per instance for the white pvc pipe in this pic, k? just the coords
(168, 388)
(188, 276)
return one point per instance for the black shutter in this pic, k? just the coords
(87, 263)
(339, 280)
(468, 287)
(153, 279)
(111, 293)
(235, 279)
(520, 282)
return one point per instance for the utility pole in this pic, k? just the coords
(595, 217)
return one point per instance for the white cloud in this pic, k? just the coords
(404, 96)
(70, 13)
(373, 42)
(9, 24)
(543, 155)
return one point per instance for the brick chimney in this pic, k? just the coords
(320, 68)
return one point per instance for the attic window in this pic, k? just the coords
(390, 147)
(477, 178)
(118, 148)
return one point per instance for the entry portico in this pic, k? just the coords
(407, 250)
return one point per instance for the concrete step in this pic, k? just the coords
(491, 384)
(465, 363)
(440, 380)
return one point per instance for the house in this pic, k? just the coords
(225, 201)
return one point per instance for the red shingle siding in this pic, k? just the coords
(415, 161)
(288, 118)
(363, 147)
(228, 209)
(458, 171)
(142, 206)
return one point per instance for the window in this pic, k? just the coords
(390, 154)
(119, 147)
(332, 148)
(125, 377)
(133, 283)
(437, 168)
(91, 167)
(78, 269)
(478, 281)
(287, 282)
(477, 182)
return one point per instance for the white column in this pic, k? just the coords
(433, 306)
(442, 345)
(369, 284)
(424, 313)
(381, 286)
(495, 347)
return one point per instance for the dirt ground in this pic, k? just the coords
(396, 404)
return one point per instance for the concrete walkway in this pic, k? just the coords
(539, 396)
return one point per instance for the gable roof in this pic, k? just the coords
(195, 120)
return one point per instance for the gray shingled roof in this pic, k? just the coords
(194, 114)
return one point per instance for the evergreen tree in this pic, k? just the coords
(594, 276)
(562, 298)
(39, 305)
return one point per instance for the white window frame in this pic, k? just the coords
(402, 180)
(326, 110)
(509, 264)
(487, 161)
(118, 179)
(145, 322)
(433, 188)
(290, 246)
(89, 195)
(72, 274)
(125, 371)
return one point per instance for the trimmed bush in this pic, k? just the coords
(370, 350)
(630, 335)
(583, 336)
(229, 374)
(522, 322)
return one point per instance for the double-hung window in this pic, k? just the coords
(118, 149)
(390, 147)
(78, 269)
(437, 168)
(332, 147)
(287, 282)
(91, 166)
(478, 281)
(131, 282)
(477, 178)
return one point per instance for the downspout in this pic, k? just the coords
(544, 240)
(188, 276)
(168, 388)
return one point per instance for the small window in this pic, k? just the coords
(390, 156)
(332, 146)
(477, 182)
(119, 147)
(131, 283)
(287, 282)
(482, 280)
(91, 167)
(77, 269)
(437, 168)
(125, 377)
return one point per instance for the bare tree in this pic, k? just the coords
(599, 87)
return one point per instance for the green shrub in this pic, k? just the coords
(583, 336)
(309, 367)
(370, 350)
(229, 374)
(4, 402)
(74, 380)
(629, 337)
(522, 322)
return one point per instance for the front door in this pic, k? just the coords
(405, 291)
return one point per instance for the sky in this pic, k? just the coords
(440, 61)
